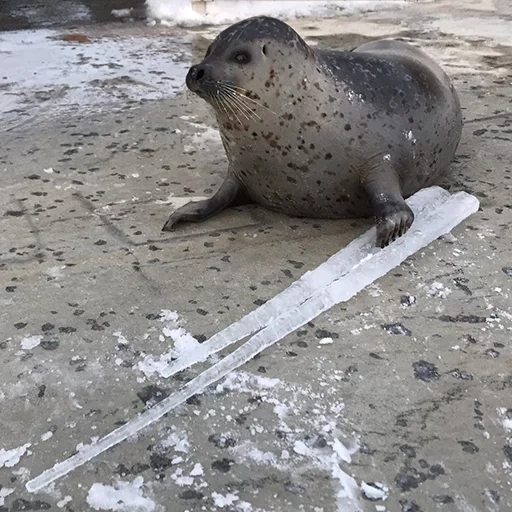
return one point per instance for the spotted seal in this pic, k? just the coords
(324, 134)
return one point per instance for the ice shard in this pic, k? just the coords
(430, 224)
(336, 266)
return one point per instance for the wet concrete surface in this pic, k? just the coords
(416, 383)
(24, 14)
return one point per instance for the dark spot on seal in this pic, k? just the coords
(328, 156)
(348, 127)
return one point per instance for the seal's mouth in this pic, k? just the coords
(229, 100)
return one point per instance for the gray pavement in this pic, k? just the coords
(418, 390)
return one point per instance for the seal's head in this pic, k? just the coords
(243, 61)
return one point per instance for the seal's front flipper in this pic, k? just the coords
(392, 214)
(230, 193)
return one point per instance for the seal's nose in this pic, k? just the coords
(195, 76)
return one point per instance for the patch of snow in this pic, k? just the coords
(62, 503)
(56, 272)
(47, 435)
(506, 417)
(9, 458)
(197, 471)
(31, 342)
(4, 492)
(122, 497)
(69, 75)
(326, 341)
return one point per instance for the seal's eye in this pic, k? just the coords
(242, 57)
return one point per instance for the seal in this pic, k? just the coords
(324, 134)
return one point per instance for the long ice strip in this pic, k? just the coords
(336, 266)
(426, 228)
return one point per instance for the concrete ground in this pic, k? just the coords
(89, 281)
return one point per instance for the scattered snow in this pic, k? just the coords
(9, 458)
(224, 501)
(177, 440)
(183, 342)
(375, 491)
(123, 497)
(4, 492)
(506, 417)
(437, 289)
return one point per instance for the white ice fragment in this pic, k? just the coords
(375, 491)
(437, 289)
(62, 503)
(178, 441)
(166, 315)
(31, 342)
(9, 458)
(183, 481)
(370, 265)
(120, 338)
(325, 341)
(47, 435)
(300, 448)
(49, 170)
(123, 496)
(197, 471)
(506, 417)
(341, 450)
(312, 281)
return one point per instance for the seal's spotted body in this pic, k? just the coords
(325, 134)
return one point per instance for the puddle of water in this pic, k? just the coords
(40, 74)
